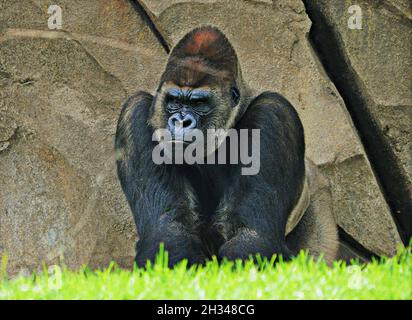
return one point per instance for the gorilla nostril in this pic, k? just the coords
(189, 121)
(174, 120)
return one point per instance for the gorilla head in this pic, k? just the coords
(201, 87)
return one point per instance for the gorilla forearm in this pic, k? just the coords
(282, 165)
(262, 211)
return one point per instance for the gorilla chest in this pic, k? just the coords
(209, 183)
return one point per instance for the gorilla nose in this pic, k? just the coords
(180, 124)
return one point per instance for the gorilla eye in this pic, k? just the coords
(172, 99)
(235, 96)
(172, 104)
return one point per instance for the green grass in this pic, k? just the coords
(301, 278)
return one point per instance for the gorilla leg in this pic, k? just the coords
(157, 195)
(254, 210)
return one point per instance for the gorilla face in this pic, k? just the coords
(185, 109)
(189, 109)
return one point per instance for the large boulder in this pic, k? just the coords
(372, 68)
(60, 96)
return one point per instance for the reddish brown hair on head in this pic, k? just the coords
(202, 42)
(201, 55)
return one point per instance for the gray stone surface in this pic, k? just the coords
(378, 58)
(60, 95)
(158, 6)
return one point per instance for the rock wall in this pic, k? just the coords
(61, 93)
(372, 69)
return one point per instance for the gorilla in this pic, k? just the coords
(202, 210)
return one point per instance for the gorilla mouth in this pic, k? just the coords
(178, 141)
(181, 134)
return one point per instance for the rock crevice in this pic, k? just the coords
(329, 37)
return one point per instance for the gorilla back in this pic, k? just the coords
(202, 209)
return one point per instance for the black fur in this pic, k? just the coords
(203, 210)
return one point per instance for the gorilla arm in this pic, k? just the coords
(158, 197)
(257, 207)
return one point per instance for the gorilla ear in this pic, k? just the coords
(235, 96)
